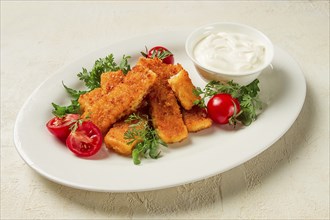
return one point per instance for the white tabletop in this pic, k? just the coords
(288, 180)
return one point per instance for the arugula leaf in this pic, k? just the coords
(246, 95)
(146, 136)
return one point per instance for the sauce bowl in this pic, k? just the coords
(242, 77)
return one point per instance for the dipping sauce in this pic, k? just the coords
(229, 52)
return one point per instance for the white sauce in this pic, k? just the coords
(229, 52)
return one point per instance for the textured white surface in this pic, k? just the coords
(289, 180)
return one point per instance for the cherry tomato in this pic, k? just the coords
(85, 139)
(223, 108)
(157, 52)
(60, 126)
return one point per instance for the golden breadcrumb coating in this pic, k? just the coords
(88, 99)
(108, 81)
(116, 141)
(196, 119)
(183, 89)
(123, 99)
(161, 69)
(164, 109)
(115, 138)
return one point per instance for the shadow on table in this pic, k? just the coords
(206, 194)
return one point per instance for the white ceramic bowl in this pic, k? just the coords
(241, 77)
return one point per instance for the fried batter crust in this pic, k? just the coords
(183, 89)
(108, 81)
(88, 99)
(115, 138)
(123, 99)
(111, 79)
(196, 119)
(116, 141)
(164, 109)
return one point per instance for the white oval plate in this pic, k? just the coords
(202, 155)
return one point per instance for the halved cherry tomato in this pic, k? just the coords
(85, 140)
(223, 108)
(60, 126)
(158, 51)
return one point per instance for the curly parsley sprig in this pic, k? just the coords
(246, 95)
(92, 78)
(146, 138)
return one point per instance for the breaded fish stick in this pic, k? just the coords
(123, 99)
(88, 99)
(108, 81)
(116, 141)
(183, 89)
(164, 109)
(196, 119)
(115, 138)
(166, 115)
(161, 69)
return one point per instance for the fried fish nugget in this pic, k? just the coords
(123, 99)
(164, 109)
(111, 79)
(161, 69)
(88, 99)
(196, 119)
(115, 138)
(108, 81)
(116, 141)
(183, 89)
(166, 115)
